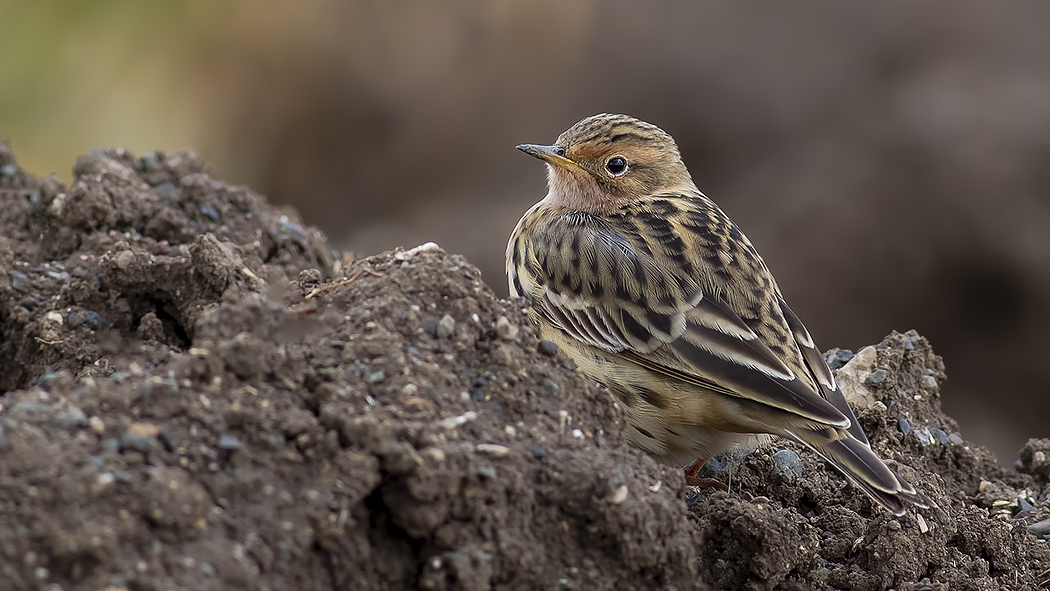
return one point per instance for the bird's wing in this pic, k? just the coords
(645, 285)
(829, 387)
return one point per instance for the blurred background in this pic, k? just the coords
(891, 160)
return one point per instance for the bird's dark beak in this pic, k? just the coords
(553, 155)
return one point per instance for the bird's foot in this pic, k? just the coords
(691, 478)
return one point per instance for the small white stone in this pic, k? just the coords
(434, 454)
(407, 254)
(493, 449)
(97, 425)
(453, 422)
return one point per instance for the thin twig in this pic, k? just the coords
(360, 273)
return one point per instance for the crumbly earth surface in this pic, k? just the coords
(196, 392)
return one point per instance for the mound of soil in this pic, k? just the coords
(199, 393)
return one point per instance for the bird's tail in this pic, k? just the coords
(859, 464)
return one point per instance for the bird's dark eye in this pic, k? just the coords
(616, 165)
(560, 151)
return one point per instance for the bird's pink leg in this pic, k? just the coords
(691, 478)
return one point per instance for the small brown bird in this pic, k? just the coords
(653, 291)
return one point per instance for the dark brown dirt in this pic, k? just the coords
(198, 393)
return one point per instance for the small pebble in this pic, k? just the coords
(123, 259)
(430, 325)
(111, 445)
(839, 357)
(70, 419)
(548, 348)
(787, 464)
(904, 426)
(435, 454)
(923, 527)
(539, 452)
(1041, 528)
(941, 436)
(1023, 504)
(165, 190)
(505, 330)
(925, 437)
(130, 441)
(228, 442)
(208, 210)
(456, 421)
(92, 320)
(407, 254)
(97, 425)
(877, 377)
(928, 382)
(166, 442)
(493, 449)
(19, 280)
(445, 327)
(955, 438)
(29, 407)
(143, 429)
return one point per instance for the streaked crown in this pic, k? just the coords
(607, 130)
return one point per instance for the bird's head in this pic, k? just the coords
(607, 161)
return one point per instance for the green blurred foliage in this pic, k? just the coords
(76, 76)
